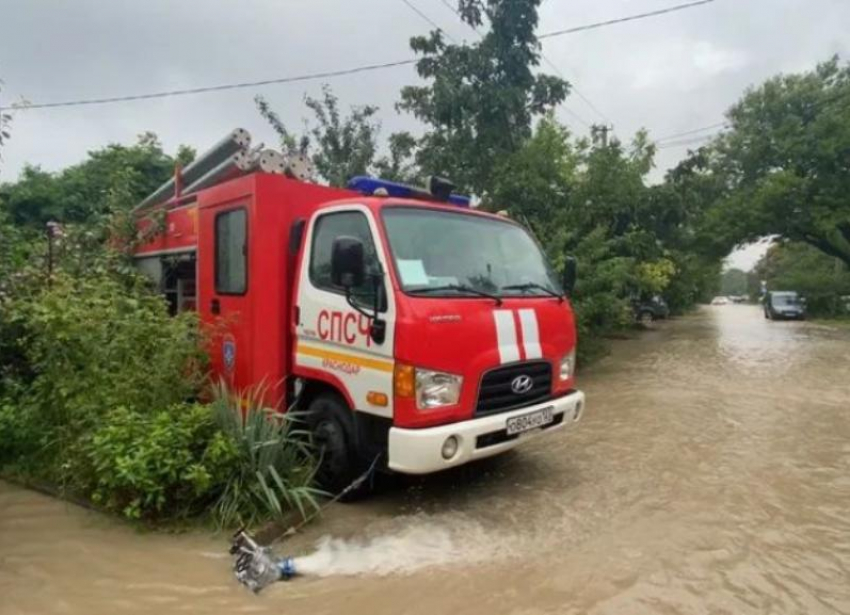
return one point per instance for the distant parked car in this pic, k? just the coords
(720, 301)
(784, 304)
(649, 310)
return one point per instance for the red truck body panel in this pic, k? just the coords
(258, 321)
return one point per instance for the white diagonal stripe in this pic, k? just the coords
(530, 334)
(506, 336)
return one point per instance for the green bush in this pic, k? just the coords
(96, 385)
(166, 464)
(235, 459)
(21, 437)
(93, 344)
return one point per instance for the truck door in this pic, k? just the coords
(224, 291)
(333, 341)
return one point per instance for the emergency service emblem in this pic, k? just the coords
(228, 353)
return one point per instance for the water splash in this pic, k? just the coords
(418, 542)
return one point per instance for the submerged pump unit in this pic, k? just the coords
(256, 567)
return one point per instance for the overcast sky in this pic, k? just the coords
(669, 74)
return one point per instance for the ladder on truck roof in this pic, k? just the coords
(233, 157)
(228, 159)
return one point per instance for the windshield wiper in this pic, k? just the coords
(456, 287)
(533, 285)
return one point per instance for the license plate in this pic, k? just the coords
(532, 420)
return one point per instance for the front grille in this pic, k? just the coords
(496, 395)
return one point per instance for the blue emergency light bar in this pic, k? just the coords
(372, 186)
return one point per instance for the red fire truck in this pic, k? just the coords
(405, 322)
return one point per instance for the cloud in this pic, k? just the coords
(711, 60)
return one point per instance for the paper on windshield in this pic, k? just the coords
(412, 273)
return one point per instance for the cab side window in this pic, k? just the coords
(328, 228)
(231, 252)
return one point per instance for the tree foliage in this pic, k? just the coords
(784, 166)
(111, 179)
(632, 241)
(343, 146)
(480, 100)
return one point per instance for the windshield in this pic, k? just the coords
(440, 250)
(785, 299)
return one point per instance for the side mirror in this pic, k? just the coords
(348, 268)
(569, 279)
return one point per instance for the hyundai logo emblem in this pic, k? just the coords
(521, 384)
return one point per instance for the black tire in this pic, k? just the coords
(332, 425)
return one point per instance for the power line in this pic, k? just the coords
(315, 76)
(575, 89)
(213, 88)
(413, 8)
(677, 140)
(686, 142)
(691, 132)
(456, 12)
(611, 22)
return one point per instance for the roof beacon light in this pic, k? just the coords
(441, 190)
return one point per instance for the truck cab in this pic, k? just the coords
(416, 331)
(475, 344)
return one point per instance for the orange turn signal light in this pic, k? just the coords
(377, 399)
(404, 380)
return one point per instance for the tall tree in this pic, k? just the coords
(399, 164)
(480, 99)
(592, 202)
(343, 146)
(785, 163)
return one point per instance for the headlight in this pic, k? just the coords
(436, 389)
(567, 366)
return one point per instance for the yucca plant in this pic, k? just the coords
(276, 466)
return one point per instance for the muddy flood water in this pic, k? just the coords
(711, 474)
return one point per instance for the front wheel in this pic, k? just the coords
(332, 426)
(645, 319)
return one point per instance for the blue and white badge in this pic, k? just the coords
(228, 353)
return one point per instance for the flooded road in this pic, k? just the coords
(711, 474)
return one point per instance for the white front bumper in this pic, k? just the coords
(419, 451)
